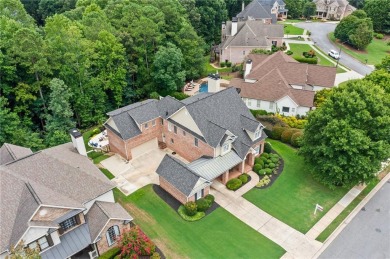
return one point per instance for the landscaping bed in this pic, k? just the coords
(237, 183)
(274, 176)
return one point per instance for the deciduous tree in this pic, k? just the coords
(379, 12)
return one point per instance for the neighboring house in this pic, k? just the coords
(333, 9)
(56, 200)
(278, 83)
(268, 11)
(215, 132)
(239, 38)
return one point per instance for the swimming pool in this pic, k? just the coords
(204, 88)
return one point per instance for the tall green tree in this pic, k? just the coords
(379, 12)
(168, 73)
(48, 8)
(59, 121)
(309, 9)
(346, 138)
(295, 8)
(362, 34)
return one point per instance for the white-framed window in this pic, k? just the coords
(146, 125)
(271, 105)
(41, 244)
(154, 123)
(285, 109)
(292, 109)
(111, 234)
(249, 102)
(258, 103)
(196, 142)
(257, 149)
(169, 126)
(225, 147)
(257, 133)
(175, 129)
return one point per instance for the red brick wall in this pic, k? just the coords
(102, 244)
(172, 190)
(184, 145)
(117, 145)
(205, 192)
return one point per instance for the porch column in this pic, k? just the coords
(242, 166)
(225, 177)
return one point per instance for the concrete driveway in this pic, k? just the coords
(138, 172)
(319, 32)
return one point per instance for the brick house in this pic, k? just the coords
(333, 9)
(278, 83)
(215, 132)
(57, 201)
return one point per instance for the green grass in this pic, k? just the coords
(97, 157)
(374, 52)
(337, 221)
(292, 30)
(298, 49)
(218, 235)
(292, 198)
(107, 173)
(290, 21)
(210, 69)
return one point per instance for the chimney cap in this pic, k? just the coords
(223, 22)
(249, 61)
(234, 19)
(214, 76)
(75, 133)
(238, 90)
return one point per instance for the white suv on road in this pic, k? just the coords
(334, 54)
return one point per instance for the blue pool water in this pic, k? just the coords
(204, 88)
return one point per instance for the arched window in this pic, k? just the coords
(111, 234)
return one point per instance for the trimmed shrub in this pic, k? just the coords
(289, 52)
(222, 64)
(134, 243)
(286, 135)
(257, 167)
(155, 256)
(267, 147)
(277, 132)
(272, 165)
(379, 36)
(228, 64)
(256, 113)
(210, 198)
(296, 139)
(268, 171)
(243, 178)
(263, 182)
(182, 212)
(264, 159)
(95, 131)
(307, 60)
(266, 166)
(202, 204)
(261, 172)
(234, 184)
(110, 253)
(154, 95)
(257, 160)
(179, 95)
(191, 208)
(269, 161)
(274, 160)
(265, 155)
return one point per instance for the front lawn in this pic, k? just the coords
(298, 49)
(218, 235)
(374, 52)
(292, 198)
(212, 70)
(292, 30)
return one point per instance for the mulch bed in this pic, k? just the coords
(273, 177)
(158, 250)
(175, 204)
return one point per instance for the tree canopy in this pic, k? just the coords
(379, 12)
(348, 136)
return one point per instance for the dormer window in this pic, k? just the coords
(225, 147)
(257, 133)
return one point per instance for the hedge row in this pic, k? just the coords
(307, 60)
(287, 135)
(236, 183)
(266, 164)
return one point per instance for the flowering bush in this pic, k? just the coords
(134, 243)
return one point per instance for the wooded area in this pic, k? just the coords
(66, 63)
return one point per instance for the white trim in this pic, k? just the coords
(105, 225)
(289, 98)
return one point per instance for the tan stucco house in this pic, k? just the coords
(333, 9)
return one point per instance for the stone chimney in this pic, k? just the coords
(234, 26)
(248, 67)
(78, 141)
(243, 6)
(214, 83)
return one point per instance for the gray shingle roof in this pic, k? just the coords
(56, 176)
(100, 213)
(219, 112)
(249, 123)
(178, 174)
(168, 105)
(9, 153)
(255, 10)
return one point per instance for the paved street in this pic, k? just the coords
(368, 233)
(319, 32)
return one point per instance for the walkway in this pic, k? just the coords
(295, 243)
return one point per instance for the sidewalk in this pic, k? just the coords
(296, 244)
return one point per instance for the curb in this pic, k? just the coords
(350, 217)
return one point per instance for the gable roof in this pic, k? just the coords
(56, 176)
(100, 213)
(293, 72)
(178, 174)
(260, 9)
(252, 33)
(9, 153)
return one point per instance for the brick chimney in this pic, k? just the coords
(78, 141)
(234, 26)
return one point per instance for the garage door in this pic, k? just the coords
(144, 148)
